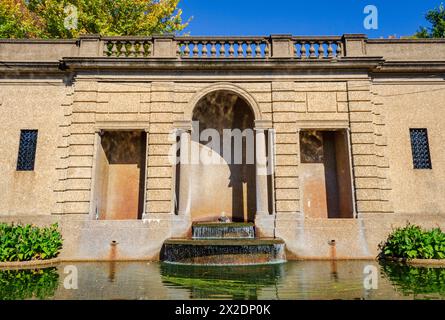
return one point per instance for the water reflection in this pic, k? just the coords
(234, 282)
(292, 280)
(418, 282)
(28, 284)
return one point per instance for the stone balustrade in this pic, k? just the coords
(318, 47)
(259, 48)
(127, 47)
(226, 47)
(223, 47)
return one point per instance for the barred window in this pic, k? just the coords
(27, 150)
(420, 149)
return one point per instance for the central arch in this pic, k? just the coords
(223, 86)
(222, 185)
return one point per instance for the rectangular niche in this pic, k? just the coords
(120, 175)
(325, 174)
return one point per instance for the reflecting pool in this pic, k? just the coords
(291, 280)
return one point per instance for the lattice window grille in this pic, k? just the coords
(27, 150)
(420, 149)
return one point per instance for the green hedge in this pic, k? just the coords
(26, 243)
(413, 242)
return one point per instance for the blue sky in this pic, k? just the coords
(303, 17)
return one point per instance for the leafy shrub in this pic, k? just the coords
(25, 243)
(28, 284)
(412, 242)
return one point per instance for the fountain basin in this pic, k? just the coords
(223, 251)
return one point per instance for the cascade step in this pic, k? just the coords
(223, 251)
(218, 230)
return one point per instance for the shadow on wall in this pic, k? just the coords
(223, 188)
(326, 177)
(120, 175)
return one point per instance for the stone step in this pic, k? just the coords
(223, 251)
(217, 230)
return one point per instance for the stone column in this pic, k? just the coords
(261, 173)
(184, 196)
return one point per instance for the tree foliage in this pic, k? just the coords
(71, 18)
(437, 19)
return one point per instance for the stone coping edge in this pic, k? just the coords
(418, 262)
(50, 262)
(32, 263)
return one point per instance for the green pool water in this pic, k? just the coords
(291, 280)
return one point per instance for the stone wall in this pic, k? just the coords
(411, 104)
(30, 105)
(375, 101)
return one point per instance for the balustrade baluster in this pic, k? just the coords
(240, 52)
(127, 48)
(257, 49)
(303, 50)
(113, 51)
(213, 49)
(119, 48)
(222, 49)
(186, 49)
(266, 50)
(122, 49)
(130, 48)
(114, 48)
(248, 49)
(312, 50)
(195, 49)
(179, 49)
(321, 53)
(133, 48)
(330, 50)
(204, 49)
(137, 48)
(231, 49)
(339, 50)
(147, 48)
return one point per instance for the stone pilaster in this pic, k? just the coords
(160, 169)
(369, 161)
(76, 157)
(62, 153)
(285, 104)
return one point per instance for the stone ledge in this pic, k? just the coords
(32, 263)
(418, 262)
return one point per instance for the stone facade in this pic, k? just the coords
(373, 91)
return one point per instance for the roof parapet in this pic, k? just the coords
(276, 46)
